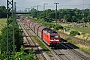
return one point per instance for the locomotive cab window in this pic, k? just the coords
(53, 36)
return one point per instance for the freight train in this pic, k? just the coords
(50, 37)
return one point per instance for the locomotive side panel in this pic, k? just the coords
(46, 37)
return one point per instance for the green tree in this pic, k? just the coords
(3, 12)
(88, 18)
(70, 15)
(23, 55)
(67, 17)
(18, 38)
(74, 19)
(33, 12)
(41, 14)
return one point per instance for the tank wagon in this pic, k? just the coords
(50, 37)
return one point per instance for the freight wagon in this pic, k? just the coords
(50, 37)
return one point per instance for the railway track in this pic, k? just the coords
(30, 42)
(60, 55)
(77, 55)
(56, 56)
(55, 53)
(68, 53)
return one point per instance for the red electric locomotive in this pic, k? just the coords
(51, 37)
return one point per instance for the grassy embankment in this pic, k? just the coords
(42, 45)
(2, 23)
(85, 30)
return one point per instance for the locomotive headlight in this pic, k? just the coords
(54, 40)
(51, 40)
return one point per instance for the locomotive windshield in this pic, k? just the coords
(53, 36)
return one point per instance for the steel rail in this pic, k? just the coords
(35, 45)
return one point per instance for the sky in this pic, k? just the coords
(63, 4)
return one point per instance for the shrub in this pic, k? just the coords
(17, 37)
(74, 33)
(68, 38)
(57, 27)
(22, 55)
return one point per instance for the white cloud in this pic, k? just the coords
(2, 2)
(62, 3)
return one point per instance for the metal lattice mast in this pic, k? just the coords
(15, 12)
(10, 31)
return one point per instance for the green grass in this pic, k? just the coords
(82, 29)
(41, 45)
(87, 50)
(2, 23)
(77, 28)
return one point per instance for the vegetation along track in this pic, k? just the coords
(30, 42)
(76, 39)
